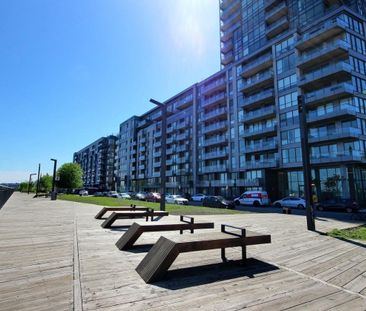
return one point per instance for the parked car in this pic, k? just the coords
(337, 204)
(141, 196)
(83, 192)
(132, 194)
(218, 202)
(124, 195)
(255, 198)
(290, 202)
(98, 194)
(112, 194)
(176, 199)
(198, 197)
(153, 197)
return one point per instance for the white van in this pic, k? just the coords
(255, 198)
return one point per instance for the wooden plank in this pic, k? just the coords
(104, 210)
(126, 215)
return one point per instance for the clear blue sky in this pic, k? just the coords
(72, 71)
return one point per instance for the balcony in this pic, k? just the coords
(277, 27)
(182, 125)
(349, 158)
(228, 22)
(228, 33)
(350, 133)
(141, 176)
(226, 46)
(260, 132)
(182, 160)
(257, 65)
(265, 146)
(256, 182)
(169, 151)
(327, 52)
(323, 75)
(227, 58)
(156, 164)
(157, 154)
(218, 140)
(230, 9)
(270, 4)
(259, 114)
(220, 98)
(215, 155)
(216, 127)
(329, 29)
(257, 82)
(214, 168)
(276, 13)
(219, 84)
(346, 111)
(184, 102)
(141, 167)
(329, 93)
(220, 112)
(183, 136)
(181, 148)
(258, 99)
(157, 134)
(250, 165)
(142, 158)
(157, 144)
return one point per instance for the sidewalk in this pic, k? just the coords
(55, 256)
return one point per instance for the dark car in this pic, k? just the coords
(217, 201)
(347, 205)
(153, 197)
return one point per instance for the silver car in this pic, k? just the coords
(290, 202)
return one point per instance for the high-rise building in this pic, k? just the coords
(239, 129)
(97, 161)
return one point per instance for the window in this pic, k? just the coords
(290, 137)
(285, 45)
(287, 82)
(286, 63)
(291, 155)
(289, 118)
(288, 100)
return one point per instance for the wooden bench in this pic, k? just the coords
(128, 239)
(132, 207)
(161, 256)
(131, 214)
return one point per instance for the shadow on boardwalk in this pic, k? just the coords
(195, 276)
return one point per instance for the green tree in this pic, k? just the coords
(23, 187)
(70, 176)
(45, 183)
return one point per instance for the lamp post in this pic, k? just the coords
(30, 180)
(163, 151)
(306, 163)
(53, 194)
(38, 179)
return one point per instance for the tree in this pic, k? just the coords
(23, 187)
(45, 183)
(70, 176)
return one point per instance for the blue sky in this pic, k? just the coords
(72, 71)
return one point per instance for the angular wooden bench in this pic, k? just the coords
(131, 214)
(161, 256)
(128, 239)
(132, 207)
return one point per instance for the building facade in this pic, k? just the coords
(97, 161)
(239, 129)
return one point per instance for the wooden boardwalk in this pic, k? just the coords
(55, 256)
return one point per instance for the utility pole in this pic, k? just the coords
(30, 180)
(53, 194)
(306, 163)
(163, 152)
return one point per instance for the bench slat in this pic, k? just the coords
(138, 214)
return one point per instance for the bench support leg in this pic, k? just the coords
(243, 254)
(223, 257)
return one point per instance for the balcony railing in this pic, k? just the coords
(257, 79)
(215, 140)
(276, 13)
(261, 164)
(340, 133)
(325, 72)
(261, 146)
(215, 127)
(250, 100)
(214, 113)
(329, 92)
(214, 85)
(213, 99)
(215, 155)
(214, 168)
(258, 114)
(356, 156)
(260, 131)
(345, 109)
(258, 63)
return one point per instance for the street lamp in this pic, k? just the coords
(30, 180)
(306, 163)
(38, 179)
(53, 194)
(163, 151)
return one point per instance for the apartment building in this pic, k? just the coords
(239, 129)
(97, 161)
